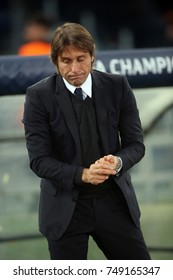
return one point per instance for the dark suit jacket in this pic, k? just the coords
(53, 143)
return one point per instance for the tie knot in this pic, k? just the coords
(78, 93)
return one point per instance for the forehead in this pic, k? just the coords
(72, 51)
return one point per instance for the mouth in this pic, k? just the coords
(76, 77)
(76, 80)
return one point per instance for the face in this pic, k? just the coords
(74, 65)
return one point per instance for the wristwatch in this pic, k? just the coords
(119, 165)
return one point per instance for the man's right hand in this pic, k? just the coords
(98, 172)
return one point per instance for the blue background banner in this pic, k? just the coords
(143, 68)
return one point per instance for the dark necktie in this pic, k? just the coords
(78, 93)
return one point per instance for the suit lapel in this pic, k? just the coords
(99, 93)
(65, 104)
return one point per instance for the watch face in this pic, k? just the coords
(119, 165)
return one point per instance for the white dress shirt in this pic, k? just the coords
(86, 87)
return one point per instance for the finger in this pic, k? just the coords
(103, 165)
(99, 180)
(103, 171)
(109, 158)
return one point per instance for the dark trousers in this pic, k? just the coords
(108, 221)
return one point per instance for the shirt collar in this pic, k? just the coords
(86, 86)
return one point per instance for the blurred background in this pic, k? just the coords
(115, 25)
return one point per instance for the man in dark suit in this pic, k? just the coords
(83, 133)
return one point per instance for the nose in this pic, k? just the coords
(75, 66)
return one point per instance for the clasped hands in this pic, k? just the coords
(100, 171)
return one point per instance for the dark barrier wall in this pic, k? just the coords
(143, 68)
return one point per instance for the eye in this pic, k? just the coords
(66, 61)
(81, 58)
